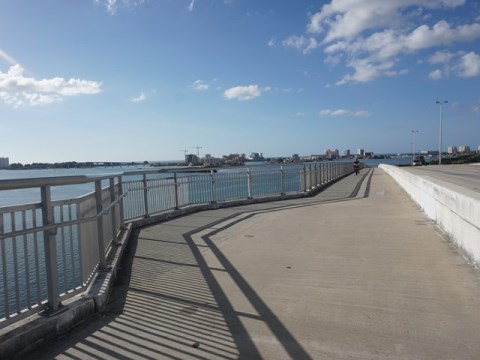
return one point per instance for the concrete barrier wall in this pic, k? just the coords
(455, 209)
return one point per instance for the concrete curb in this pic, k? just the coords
(100, 289)
(456, 210)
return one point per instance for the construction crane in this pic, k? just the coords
(185, 154)
(198, 150)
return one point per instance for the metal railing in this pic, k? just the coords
(52, 250)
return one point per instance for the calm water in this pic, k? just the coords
(25, 196)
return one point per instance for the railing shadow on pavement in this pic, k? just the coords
(167, 302)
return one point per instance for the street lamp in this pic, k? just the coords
(413, 151)
(440, 136)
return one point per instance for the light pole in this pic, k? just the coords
(414, 132)
(440, 136)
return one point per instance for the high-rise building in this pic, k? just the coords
(361, 152)
(332, 154)
(452, 150)
(191, 159)
(4, 162)
(464, 149)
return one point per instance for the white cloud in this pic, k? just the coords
(441, 33)
(441, 57)
(436, 74)
(458, 64)
(200, 85)
(342, 19)
(367, 70)
(300, 43)
(19, 90)
(361, 113)
(377, 55)
(272, 43)
(469, 65)
(139, 98)
(300, 114)
(190, 7)
(243, 92)
(344, 112)
(112, 5)
(372, 36)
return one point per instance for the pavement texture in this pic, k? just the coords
(356, 272)
(464, 176)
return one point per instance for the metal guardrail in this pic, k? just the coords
(52, 250)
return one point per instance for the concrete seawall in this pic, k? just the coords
(455, 209)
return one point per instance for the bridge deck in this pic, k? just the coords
(355, 272)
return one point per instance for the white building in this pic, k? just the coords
(331, 154)
(209, 161)
(361, 152)
(464, 149)
(452, 150)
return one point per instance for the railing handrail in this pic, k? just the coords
(142, 198)
(26, 183)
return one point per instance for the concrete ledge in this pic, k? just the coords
(455, 209)
(101, 287)
(36, 330)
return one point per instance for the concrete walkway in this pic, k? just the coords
(357, 272)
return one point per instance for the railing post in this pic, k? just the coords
(50, 246)
(316, 173)
(145, 195)
(175, 186)
(121, 206)
(309, 176)
(101, 240)
(304, 178)
(4, 270)
(212, 176)
(282, 180)
(113, 212)
(249, 183)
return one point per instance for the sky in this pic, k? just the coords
(148, 80)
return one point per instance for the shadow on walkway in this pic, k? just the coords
(167, 302)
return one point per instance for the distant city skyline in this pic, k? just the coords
(120, 80)
(326, 153)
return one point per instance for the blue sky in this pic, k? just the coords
(135, 80)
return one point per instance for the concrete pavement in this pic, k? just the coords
(466, 176)
(356, 272)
